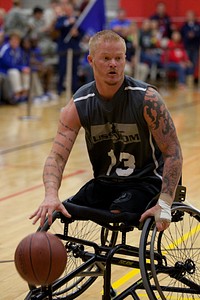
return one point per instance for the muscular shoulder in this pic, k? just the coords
(85, 92)
(155, 111)
(133, 84)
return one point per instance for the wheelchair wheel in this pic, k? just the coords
(170, 262)
(86, 231)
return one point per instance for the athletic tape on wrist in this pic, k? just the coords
(165, 212)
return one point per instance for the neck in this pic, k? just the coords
(108, 91)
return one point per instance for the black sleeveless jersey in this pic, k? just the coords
(118, 139)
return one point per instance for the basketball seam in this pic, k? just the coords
(32, 266)
(50, 262)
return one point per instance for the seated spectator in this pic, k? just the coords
(5, 90)
(16, 19)
(190, 32)
(85, 71)
(11, 64)
(163, 19)
(38, 28)
(41, 73)
(133, 65)
(2, 38)
(175, 58)
(150, 52)
(121, 24)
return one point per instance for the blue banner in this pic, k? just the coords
(93, 17)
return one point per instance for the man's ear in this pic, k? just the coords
(89, 58)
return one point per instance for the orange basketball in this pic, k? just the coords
(40, 258)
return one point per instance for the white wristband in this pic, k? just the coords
(165, 212)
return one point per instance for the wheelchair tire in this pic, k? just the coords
(85, 230)
(173, 256)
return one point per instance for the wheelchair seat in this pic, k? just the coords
(99, 216)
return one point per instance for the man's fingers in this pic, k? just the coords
(43, 212)
(145, 215)
(34, 214)
(64, 211)
(162, 225)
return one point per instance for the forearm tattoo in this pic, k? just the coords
(162, 127)
(66, 126)
(55, 163)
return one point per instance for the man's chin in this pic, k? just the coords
(112, 82)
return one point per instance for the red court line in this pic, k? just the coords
(38, 186)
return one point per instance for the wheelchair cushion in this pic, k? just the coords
(101, 216)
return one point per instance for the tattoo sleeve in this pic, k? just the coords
(56, 161)
(163, 130)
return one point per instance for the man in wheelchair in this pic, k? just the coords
(130, 136)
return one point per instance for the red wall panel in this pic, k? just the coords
(6, 4)
(175, 8)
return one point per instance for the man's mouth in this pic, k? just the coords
(112, 72)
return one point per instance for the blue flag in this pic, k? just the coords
(92, 18)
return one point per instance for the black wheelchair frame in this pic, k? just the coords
(169, 261)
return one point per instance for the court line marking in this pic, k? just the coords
(38, 186)
(125, 278)
(25, 146)
(135, 272)
(183, 238)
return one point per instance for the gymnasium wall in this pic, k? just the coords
(6, 4)
(140, 9)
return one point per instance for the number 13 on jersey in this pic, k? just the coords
(128, 161)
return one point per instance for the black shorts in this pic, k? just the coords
(108, 195)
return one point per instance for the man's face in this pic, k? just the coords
(108, 62)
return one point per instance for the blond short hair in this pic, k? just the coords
(104, 36)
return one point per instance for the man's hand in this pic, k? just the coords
(46, 209)
(157, 211)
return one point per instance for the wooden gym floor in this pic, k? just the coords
(25, 140)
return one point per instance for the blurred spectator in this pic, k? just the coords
(85, 71)
(41, 73)
(11, 64)
(83, 5)
(39, 30)
(134, 67)
(16, 19)
(49, 15)
(65, 24)
(163, 19)
(121, 24)
(150, 53)
(2, 18)
(175, 58)
(5, 89)
(2, 38)
(190, 32)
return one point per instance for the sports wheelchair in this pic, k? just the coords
(95, 240)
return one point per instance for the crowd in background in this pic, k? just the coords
(33, 48)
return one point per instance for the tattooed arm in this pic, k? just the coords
(163, 130)
(68, 128)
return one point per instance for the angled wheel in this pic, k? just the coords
(174, 256)
(86, 231)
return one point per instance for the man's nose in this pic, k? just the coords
(113, 62)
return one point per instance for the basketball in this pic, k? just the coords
(40, 258)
